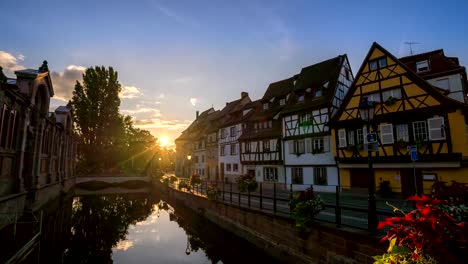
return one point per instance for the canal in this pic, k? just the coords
(135, 228)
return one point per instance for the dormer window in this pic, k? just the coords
(265, 106)
(301, 98)
(422, 66)
(382, 62)
(373, 65)
(282, 101)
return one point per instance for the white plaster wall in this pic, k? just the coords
(456, 86)
(259, 172)
(308, 158)
(308, 177)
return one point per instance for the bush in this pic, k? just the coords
(246, 183)
(212, 192)
(183, 185)
(305, 205)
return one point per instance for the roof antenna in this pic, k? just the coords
(411, 43)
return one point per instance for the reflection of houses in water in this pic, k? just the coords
(37, 149)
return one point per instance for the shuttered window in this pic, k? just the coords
(351, 137)
(342, 138)
(308, 142)
(402, 132)
(386, 133)
(326, 144)
(436, 128)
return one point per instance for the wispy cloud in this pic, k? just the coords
(9, 62)
(193, 101)
(152, 112)
(161, 124)
(130, 92)
(183, 80)
(20, 57)
(175, 16)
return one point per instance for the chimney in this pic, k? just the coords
(244, 94)
(197, 114)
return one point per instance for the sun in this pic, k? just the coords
(164, 141)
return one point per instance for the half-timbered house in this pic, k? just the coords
(408, 111)
(318, 92)
(261, 149)
(230, 129)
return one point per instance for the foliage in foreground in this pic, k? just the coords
(305, 205)
(246, 183)
(425, 235)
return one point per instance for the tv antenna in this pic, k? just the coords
(411, 43)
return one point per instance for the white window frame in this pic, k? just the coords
(270, 174)
(317, 144)
(342, 138)
(297, 172)
(359, 136)
(320, 172)
(233, 131)
(235, 167)
(282, 101)
(440, 128)
(265, 106)
(386, 134)
(222, 150)
(228, 167)
(351, 137)
(420, 65)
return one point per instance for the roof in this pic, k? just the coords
(438, 63)
(279, 88)
(238, 116)
(318, 75)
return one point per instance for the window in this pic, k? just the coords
(301, 98)
(247, 147)
(223, 133)
(305, 119)
(317, 145)
(233, 149)
(373, 65)
(265, 106)
(296, 176)
(395, 93)
(266, 145)
(235, 167)
(342, 138)
(202, 171)
(436, 128)
(429, 177)
(375, 97)
(270, 174)
(443, 83)
(195, 159)
(223, 150)
(318, 93)
(402, 132)
(320, 175)
(228, 167)
(386, 133)
(382, 62)
(422, 66)
(420, 130)
(296, 146)
(359, 136)
(233, 131)
(351, 138)
(282, 101)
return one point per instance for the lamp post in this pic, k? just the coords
(189, 159)
(366, 110)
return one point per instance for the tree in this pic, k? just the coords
(98, 122)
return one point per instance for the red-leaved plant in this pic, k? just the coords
(428, 231)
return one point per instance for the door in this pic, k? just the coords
(359, 178)
(407, 182)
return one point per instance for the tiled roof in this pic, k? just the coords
(279, 89)
(438, 62)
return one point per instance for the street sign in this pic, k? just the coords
(414, 155)
(371, 137)
(412, 148)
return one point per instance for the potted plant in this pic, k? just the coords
(194, 179)
(390, 101)
(246, 183)
(402, 143)
(212, 192)
(304, 206)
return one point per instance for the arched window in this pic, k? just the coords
(41, 99)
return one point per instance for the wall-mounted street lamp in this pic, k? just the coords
(366, 110)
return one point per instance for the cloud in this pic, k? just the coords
(64, 82)
(162, 96)
(9, 62)
(130, 92)
(183, 80)
(179, 18)
(193, 101)
(152, 112)
(162, 124)
(21, 57)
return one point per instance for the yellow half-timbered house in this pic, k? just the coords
(408, 111)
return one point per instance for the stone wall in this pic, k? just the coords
(277, 235)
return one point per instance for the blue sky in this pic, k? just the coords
(176, 57)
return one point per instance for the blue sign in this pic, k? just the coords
(371, 137)
(414, 155)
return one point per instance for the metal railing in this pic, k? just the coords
(344, 205)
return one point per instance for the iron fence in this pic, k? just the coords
(344, 205)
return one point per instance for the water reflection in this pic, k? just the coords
(138, 229)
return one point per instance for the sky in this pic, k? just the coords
(176, 57)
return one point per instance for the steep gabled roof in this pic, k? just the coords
(415, 78)
(279, 89)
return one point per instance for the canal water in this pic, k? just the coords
(142, 228)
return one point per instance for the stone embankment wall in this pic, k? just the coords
(277, 235)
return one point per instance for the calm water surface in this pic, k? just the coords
(138, 229)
